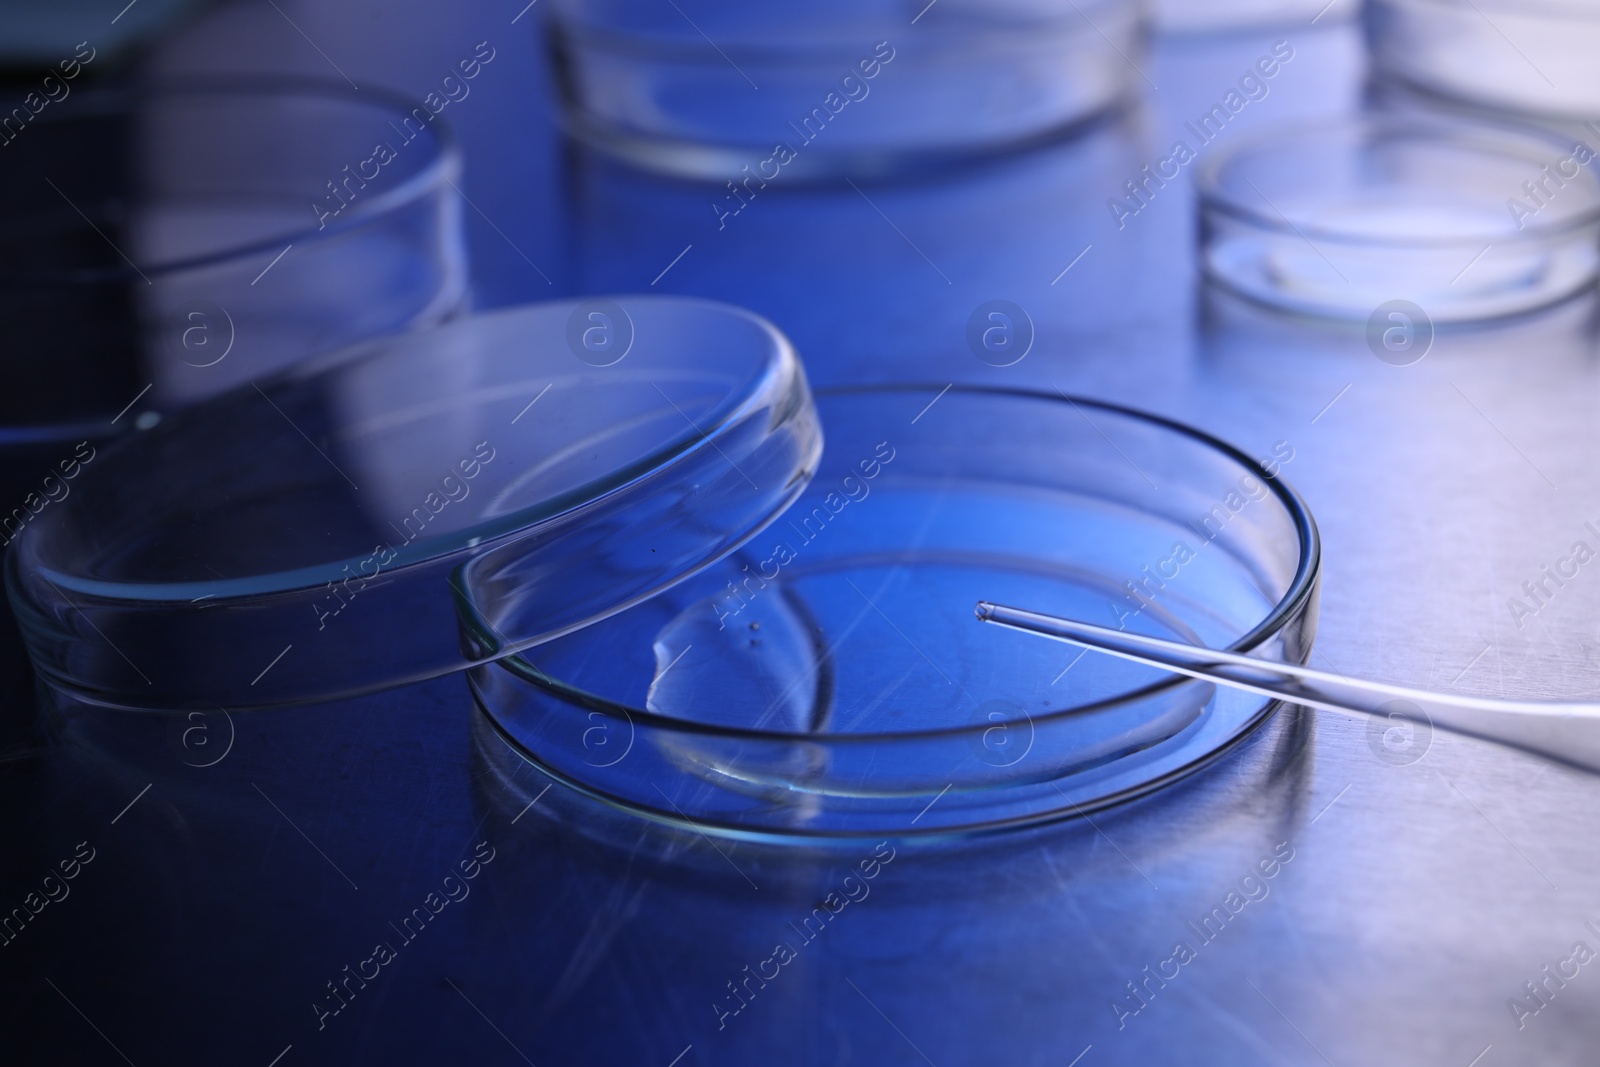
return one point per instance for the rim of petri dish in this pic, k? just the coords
(1298, 602)
(1229, 197)
(444, 166)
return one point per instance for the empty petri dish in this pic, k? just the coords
(584, 454)
(830, 679)
(190, 238)
(752, 92)
(1468, 221)
(1521, 55)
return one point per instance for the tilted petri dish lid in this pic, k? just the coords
(301, 539)
(830, 679)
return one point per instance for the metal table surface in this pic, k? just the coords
(1411, 901)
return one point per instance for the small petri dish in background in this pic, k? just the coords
(194, 237)
(1468, 221)
(585, 454)
(830, 678)
(749, 92)
(1531, 56)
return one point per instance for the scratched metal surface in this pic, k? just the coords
(1416, 900)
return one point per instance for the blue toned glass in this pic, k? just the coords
(831, 680)
(726, 89)
(191, 238)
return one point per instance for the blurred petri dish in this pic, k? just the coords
(39, 36)
(583, 455)
(1212, 16)
(830, 679)
(756, 93)
(1467, 221)
(194, 237)
(1534, 56)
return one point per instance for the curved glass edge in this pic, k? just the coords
(1301, 592)
(980, 807)
(220, 654)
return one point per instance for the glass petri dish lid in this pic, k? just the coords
(1530, 56)
(303, 539)
(785, 90)
(1466, 220)
(830, 678)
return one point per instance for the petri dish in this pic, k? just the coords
(583, 455)
(193, 237)
(1531, 56)
(1466, 221)
(1223, 16)
(41, 36)
(830, 679)
(784, 90)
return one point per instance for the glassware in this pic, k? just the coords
(749, 92)
(1207, 16)
(192, 238)
(571, 458)
(830, 680)
(1532, 56)
(1460, 221)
